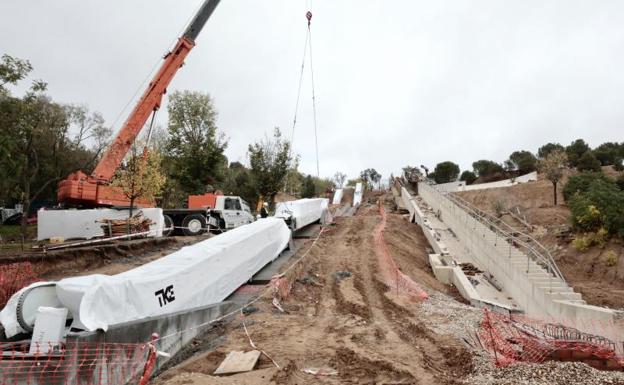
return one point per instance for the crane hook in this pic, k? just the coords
(309, 17)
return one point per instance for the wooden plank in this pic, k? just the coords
(238, 362)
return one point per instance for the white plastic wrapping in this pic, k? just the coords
(357, 196)
(302, 212)
(8, 315)
(84, 224)
(337, 197)
(197, 275)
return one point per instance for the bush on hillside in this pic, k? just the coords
(579, 184)
(468, 176)
(587, 240)
(588, 162)
(618, 164)
(620, 182)
(600, 207)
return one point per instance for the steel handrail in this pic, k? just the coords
(543, 257)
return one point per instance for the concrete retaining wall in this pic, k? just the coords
(449, 275)
(461, 186)
(532, 287)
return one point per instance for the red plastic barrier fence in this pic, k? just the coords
(391, 273)
(13, 277)
(76, 363)
(512, 339)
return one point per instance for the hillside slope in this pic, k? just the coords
(588, 271)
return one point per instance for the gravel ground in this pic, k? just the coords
(459, 320)
(549, 373)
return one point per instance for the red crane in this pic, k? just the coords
(95, 190)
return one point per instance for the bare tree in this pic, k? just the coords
(553, 166)
(339, 179)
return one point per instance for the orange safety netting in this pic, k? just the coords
(512, 339)
(80, 363)
(13, 277)
(391, 274)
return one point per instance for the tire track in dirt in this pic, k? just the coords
(352, 325)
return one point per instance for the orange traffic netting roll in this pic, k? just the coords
(513, 339)
(391, 274)
(79, 363)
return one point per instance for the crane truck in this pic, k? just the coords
(95, 190)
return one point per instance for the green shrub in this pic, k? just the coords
(580, 183)
(611, 258)
(620, 182)
(584, 242)
(618, 164)
(581, 243)
(601, 206)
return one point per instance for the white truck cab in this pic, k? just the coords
(230, 212)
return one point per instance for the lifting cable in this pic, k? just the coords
(307, 46)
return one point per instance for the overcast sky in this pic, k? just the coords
(397, 82)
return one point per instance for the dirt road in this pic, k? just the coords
(341, 316)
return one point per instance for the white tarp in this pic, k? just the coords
(337, 197)
(302, 212)
(84, 224)
(357, 196)
(197, 275)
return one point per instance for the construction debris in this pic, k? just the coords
(239, 362)
(135, 224)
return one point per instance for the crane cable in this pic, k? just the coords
(307, 46)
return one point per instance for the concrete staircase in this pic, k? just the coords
(520, 264)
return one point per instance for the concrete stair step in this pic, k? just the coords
(565, 296)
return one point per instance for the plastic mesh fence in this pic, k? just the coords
(512, 339)
(391, 273)
(13, 277)
(76, 363)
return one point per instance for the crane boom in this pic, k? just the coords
(94, 190)
(152, 97)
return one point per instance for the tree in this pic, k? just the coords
(412, 174)
(607, 153)
(33, 137)
(575, 150)
(294, 179)
(339, 179)
(546, 149)
(370, 176)
(446, 172)
(12, 70)
(487, 168)
(468, 176)
(588, 162)
(142, 177)
(553, 166)
(194, 148)
(308, 189)
(523, 162)
(238, 181)
(270, 161)
(375, 177)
